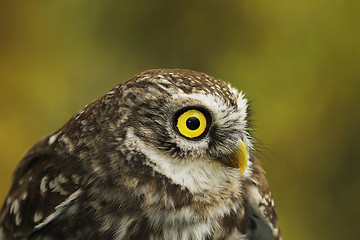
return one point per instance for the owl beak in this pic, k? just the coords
(238, 158)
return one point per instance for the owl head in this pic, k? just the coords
(186, 117)
(188, 126)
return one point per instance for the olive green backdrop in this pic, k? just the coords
(298, 61)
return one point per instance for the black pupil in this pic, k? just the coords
(192, 123)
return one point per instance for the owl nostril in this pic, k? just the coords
(193, 123)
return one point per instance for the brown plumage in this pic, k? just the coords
(126, 167)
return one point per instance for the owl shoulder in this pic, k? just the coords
(44, 187)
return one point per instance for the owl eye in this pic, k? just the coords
(192, 123)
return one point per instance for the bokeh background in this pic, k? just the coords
(298, 61)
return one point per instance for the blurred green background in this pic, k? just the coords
(298, 61)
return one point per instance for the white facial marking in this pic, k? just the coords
(218, 107)
(197, 175)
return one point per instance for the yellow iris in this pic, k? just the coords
(191, 123)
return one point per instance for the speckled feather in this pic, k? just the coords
(118, 170)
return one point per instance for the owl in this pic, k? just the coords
(167, 154)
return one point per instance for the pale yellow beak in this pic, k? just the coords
(238, 158)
